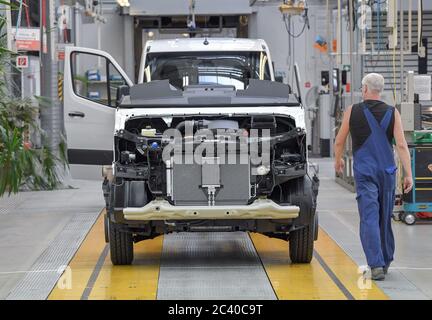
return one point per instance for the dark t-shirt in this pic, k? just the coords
(359, 127)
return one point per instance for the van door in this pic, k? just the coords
(91, 79)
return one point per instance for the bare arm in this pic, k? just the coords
(341, 139)
(403, 151)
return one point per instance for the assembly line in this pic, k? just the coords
(197, 151)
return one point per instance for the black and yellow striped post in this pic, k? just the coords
(60, 87)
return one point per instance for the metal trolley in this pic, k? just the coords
(417, 204)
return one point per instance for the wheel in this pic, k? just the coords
(410, 218)
(106, 192)
(316, 226)
(120, 242)
(301, 241)
(301, 244)
(106, 228)
(121, 245)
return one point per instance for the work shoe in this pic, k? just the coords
(377, 274)
(386, 268)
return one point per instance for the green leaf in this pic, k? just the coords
(6, 3)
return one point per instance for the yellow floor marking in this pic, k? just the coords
(73, 282)
(140, 280)
(294, 281)
(136, 282)
(346, 269)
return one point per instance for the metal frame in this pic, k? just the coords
(416, 206)
(259, 209)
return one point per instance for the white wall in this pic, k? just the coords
(115, 37)
(427, 4)
(181, 7)
(266, 23)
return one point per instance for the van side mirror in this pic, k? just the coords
(122, 90)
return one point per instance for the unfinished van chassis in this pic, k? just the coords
(150, 193)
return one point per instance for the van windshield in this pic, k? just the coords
(192, 68)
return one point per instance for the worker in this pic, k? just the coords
(373, 124)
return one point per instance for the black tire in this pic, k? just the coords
(106, 228)
(301, 244)
(301, 240)
(316, 226)
(121, 245)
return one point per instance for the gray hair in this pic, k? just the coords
(374, 82)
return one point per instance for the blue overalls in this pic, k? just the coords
(374, 173)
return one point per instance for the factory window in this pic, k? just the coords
(95, 78)
(184, 68)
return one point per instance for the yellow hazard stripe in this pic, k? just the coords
(90, 279)
(73, 282)
(331, 275)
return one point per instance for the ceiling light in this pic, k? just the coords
(123, 3)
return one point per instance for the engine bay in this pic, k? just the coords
(208, 160)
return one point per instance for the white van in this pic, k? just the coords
(203, 95)
(91, 79)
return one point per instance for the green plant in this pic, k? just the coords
(20, 163)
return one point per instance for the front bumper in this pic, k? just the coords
(163, 210)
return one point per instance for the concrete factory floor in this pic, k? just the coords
(52, 246)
